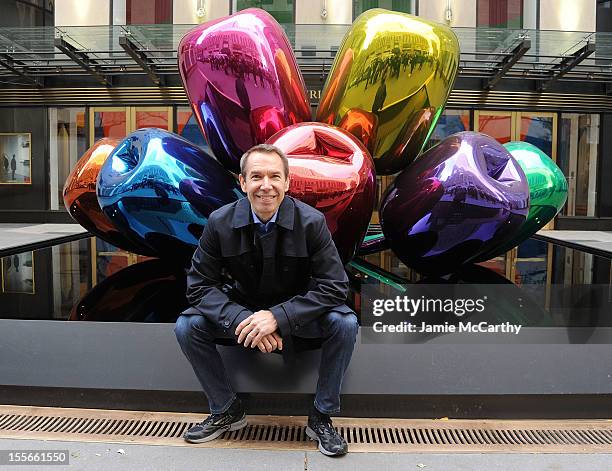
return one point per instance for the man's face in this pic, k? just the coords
(265, 183)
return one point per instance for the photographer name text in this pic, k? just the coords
(461, 327)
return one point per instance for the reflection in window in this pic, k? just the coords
(450, 122)
(531, 262)
(538, 130)
(27, 13)
(577, 158)
(187, 127)
(151, 119)
(281, 10)
(148, 12)
(68, 142)
(586, 273)
(359, 6)
(110, 259)
(109, 124)
(500, 13)
(71, 275)
(498, 125)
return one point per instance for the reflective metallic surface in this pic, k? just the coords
(80, 197)
(158, 189)
(547, 191)
(243, 82)
(389, 83)
(149, 291)
(374, 241)
(459, 200)
(331, 171)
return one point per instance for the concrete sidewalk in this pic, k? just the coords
(119, 457)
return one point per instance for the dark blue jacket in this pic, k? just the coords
(294, 271)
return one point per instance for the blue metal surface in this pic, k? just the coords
(159, 189)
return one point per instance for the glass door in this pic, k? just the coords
(114, 122)
(578, 150)
(151, 117)
(532, 262)
(579, 142)
(118, 122)
(108, 122)
(500, 125)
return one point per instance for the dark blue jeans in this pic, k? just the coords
(337, 330)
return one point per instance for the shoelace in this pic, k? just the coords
(325, 426)
(211, 419)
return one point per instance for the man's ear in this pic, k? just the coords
(242, 182)
(287, 184)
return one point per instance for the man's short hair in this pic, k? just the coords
(266, 149)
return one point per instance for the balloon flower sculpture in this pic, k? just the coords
(465, 200)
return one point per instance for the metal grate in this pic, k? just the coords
(289, 433)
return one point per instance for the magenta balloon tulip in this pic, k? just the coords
(242, 81)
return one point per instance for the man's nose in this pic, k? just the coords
(266, 183)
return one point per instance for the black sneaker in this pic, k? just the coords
(215, 424)
(320, 428)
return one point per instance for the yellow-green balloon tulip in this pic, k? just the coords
(389, 83)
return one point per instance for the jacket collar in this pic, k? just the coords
(242, 213)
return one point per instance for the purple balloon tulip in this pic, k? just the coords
(457, 201)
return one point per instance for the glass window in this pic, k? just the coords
(68, 142)
(497, 124)
(71, 275)
(577, 158)
(281, 10)
(151, 119)
(450, 122)
(359, 6)
(110, 123)
(187, 127)
(148, 12)
(538, 130)
(27, 13)
(500, 13)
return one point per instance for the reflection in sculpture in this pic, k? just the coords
(547, 192)
(243, 82)
(332, 171)
(459, 200)
(81, 201)
(149, 291)
(464, 200)
(389, 83)
(158, 189)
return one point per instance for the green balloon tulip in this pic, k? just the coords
(547, 192)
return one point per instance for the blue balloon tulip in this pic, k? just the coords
(158, 189)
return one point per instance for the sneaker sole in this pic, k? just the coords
(313, 436)
(228, 428)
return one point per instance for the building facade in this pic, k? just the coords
(59, 104)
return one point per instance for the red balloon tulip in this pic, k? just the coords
(333, 172)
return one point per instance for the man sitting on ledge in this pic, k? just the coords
(288, 284)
